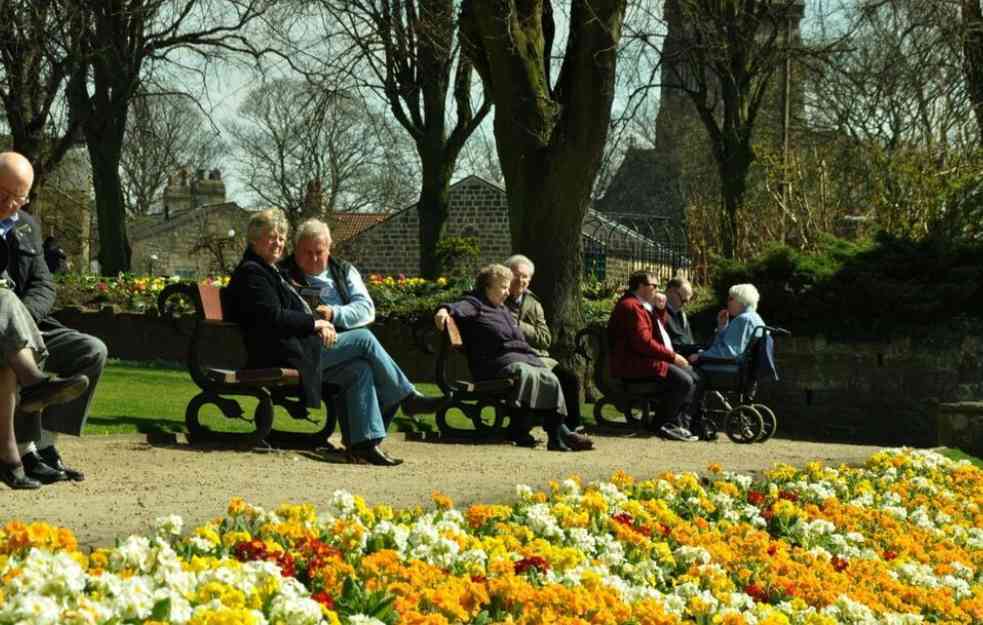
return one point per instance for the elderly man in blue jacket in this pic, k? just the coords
(339, 296)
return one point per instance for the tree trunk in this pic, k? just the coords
(972, 18)
(114, 247)
(553, 200)
(433, 208)
(734, 167)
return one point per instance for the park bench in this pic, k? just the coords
(215, 371)
(468, 397)
(638, 402)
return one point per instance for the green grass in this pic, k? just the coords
(958, 454)
(148, 397)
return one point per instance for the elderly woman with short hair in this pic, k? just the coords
(496, 348)
(281, 330)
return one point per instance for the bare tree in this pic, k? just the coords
(164, 133)
(550, 129)
(121, 41)
(36, 57)
(290, 133)
(407, 52)
(972, 24)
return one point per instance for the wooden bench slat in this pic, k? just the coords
(486, 386)
(255, 377)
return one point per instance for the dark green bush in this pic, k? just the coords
(885, 286)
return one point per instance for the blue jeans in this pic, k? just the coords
(372, 383)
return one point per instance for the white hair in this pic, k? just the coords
(518, 259)
(745, 294)
(312, 228)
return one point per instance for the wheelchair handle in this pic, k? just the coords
(778, 331)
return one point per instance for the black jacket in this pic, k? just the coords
(339, 273)
(277, 328)
(677, 327)
(22, 255)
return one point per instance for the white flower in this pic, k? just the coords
(295, 611)
(170, 525)
(523, 492)
(363, 619)
(342, 502)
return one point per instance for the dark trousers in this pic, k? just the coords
(678, 390)
(570, 385)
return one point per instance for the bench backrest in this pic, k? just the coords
(211, 302)
(450, 342)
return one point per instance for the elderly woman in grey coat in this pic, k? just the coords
(496, 348)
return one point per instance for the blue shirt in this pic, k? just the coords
(6, 225)
(359, 312)
(733, 339)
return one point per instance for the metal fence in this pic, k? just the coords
(617, 244)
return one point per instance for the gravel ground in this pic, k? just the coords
(130, 483)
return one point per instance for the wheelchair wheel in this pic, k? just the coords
(744, 425)
(768, 419)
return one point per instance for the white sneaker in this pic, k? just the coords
(678, 433)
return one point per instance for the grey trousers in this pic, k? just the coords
(18, 329)
(69, 352)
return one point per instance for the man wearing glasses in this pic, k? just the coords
(679, 292)
(641, 351)
(69, 352)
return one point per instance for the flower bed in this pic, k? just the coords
(897, 541)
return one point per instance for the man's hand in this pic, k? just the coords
(326, 331)
(325, 312)
(693, 358)
(659, 300)
(440, 319)
(679, 361)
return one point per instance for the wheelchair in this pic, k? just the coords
(728, 401)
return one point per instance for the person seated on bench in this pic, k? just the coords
(21, 347)
(528, 314)
(281, 330)
(679, 292)
(641, 351)
(495, 348)
(341, 298)
(735, 327)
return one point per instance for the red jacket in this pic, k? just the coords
(637, 350)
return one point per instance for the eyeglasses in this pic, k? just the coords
(18, 200)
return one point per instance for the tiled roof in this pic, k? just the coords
(344, 226)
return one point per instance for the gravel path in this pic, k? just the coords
(130, 483)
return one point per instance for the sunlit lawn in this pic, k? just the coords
(144, 398)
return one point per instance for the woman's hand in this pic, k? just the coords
(723, 318)
(326, 331)
(440, 319)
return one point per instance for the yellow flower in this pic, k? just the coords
(441, 501)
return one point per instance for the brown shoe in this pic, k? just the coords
(53, 390)
(372, 455)
(578, 442)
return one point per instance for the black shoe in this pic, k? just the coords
(53, 390)
(51, 458)
(13, 476)
(414, 403)
(38, 469)
(373, 455)
(525, 440)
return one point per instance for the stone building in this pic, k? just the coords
(661, 181)
(480, 209)
(197, 233)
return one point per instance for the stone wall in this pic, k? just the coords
(190, 243)
(885, 392)
(477, 209)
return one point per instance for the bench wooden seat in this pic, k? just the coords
(469, 397)
(271, 386)
(639, 402)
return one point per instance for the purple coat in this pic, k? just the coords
(492, 338)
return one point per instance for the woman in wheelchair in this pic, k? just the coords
(735, 329)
